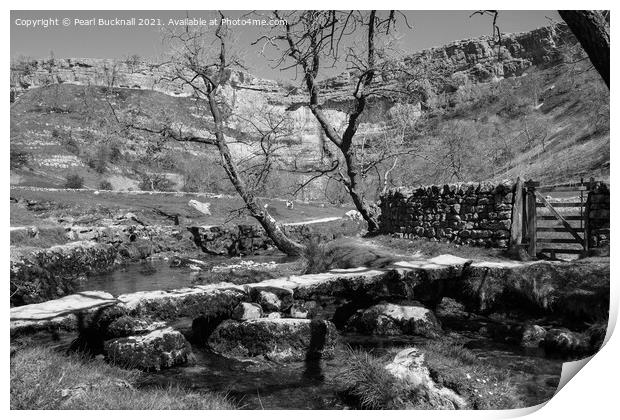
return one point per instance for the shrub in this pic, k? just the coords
(115, 153)
(74, 181)
(99, 160)
(155, 182)
(19, 158)
(105, 185)
(166, 161)
(70, 144)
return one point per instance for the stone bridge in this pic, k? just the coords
(266, 312)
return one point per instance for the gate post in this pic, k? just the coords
(586, 218)
(516, 227)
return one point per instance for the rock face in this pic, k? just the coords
(283, 339)
(156, 350)
(476, 60)
(408, 366)
(391, 319)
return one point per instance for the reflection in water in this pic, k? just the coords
(158, 275)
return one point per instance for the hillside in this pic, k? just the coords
(533, 107)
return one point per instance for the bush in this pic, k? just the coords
(74, 181)
(167, 161)
(156, 182)
(99, 160)
(19, 158)
(69, 144)
(115, 154)
(105, 185)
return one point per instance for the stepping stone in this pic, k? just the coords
(78, 302)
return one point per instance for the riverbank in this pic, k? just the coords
(45, 379)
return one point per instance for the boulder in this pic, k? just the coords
(269, 301)
(156, 350)
(126, 325)
(408, 366)
(391, 319)
(303, 309)
(354, 215)
(246, 310)
(564, 342)
(271, 298)
(211, 300)
(204, 208)
(281, 340)
(533, 336)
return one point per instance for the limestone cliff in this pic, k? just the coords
(479, 60)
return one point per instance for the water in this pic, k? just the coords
(301, 385)
(312, 386)
(158, 275)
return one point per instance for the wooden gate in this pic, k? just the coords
(554, 218)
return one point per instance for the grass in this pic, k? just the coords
(429, 249)
(455, 367)
(44, 379)
(251, 275)
(349, 253)
(366, 383)
(45, 238)
(148, 208)
(365, 380)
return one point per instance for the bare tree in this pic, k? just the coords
(591, 27)
(202, 61)
(314, 40)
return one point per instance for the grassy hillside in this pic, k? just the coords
(550, 125)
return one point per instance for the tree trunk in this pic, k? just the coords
(272, 228)
(366, 210)
(592, 30)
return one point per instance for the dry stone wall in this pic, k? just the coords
(477, 214)
(597, 207)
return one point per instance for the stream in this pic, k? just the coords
(159, 275)
(303, 386)
(299, 385)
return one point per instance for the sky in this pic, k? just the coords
(429, 29)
